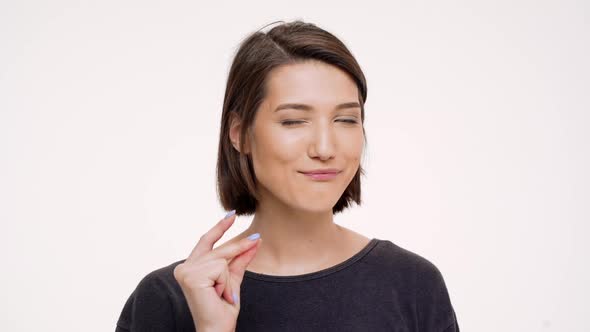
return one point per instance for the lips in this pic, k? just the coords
(322, 174)
(322, 171)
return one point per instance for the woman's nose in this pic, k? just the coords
(322, 143)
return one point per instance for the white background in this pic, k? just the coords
(477, 125)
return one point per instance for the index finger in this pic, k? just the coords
(208, 239)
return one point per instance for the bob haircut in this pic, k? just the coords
(258, 54)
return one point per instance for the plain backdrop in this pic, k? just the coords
(477, 126)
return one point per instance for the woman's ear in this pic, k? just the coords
(235, 126)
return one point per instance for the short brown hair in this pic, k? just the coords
(258, 54)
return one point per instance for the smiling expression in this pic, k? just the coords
(309, 120)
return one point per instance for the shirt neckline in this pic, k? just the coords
(316, 274)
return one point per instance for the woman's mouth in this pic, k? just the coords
(322, 175)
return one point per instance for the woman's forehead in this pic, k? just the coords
(311, 83)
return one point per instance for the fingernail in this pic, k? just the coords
(235, 298)
(229, 214)
(254, 236)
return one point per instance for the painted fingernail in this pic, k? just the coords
(229, 214)
(235, 298)
(254, 236)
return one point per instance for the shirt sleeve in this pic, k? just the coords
(148, 308)
(433, 304)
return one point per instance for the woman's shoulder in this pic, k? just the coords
(385, 254)
(161, 277)
(393, 253)
(405, 263)
(420, 279)
(152, 301)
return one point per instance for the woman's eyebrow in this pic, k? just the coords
(304, 107)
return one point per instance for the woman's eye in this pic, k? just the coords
(294, 122)
(290, 122)
(349, 120)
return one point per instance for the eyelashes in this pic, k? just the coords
(294, 122)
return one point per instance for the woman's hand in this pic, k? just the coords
(209, 278)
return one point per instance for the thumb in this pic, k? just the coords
(238, 265)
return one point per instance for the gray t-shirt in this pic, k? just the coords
(381, 288)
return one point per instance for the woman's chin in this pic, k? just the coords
(316, 206)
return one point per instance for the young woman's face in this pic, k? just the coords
(324, 131)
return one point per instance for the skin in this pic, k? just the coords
(294, 216)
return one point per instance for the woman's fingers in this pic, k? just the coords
(219, 289)
(208, 239)
(235, 256)
(228, 291)
(230, 250)
(238, 265)
(235, 273)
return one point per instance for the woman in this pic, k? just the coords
(291, 142)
